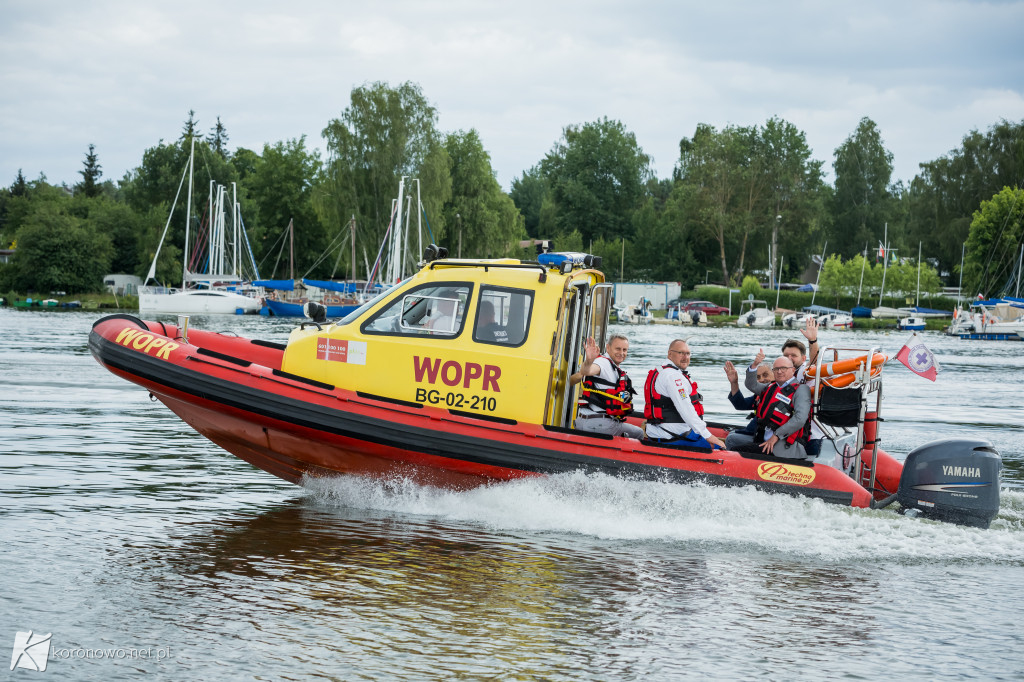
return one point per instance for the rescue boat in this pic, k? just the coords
(458, 377)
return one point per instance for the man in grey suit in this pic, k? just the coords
(782, 414)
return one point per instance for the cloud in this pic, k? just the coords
(124, 76)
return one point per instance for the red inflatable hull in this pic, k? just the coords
(231, 390)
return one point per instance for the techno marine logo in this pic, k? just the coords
(785, 473)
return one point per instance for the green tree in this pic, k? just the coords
(189, 130)
(863, 200)
(751, 287)
(124, 227)
(91, 174)
(835, 279)
(709, 169)
(58, 251)
(596, 175)
(528, 194)
(666, 238)
(491, 226)
(943, 197)
(795, 192)
(218, 139)
(993, 246)
(280, 183)
(162, 180)
(386, 133)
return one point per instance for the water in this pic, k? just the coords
(127, 535)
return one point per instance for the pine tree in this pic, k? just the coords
(20, 187)
(218, 139)
(189, 131)
(91, 174)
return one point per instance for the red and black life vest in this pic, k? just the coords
(659, 408)
(615, 399)
(775, 408)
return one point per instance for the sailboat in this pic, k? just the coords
(220, 289)
(287, 297)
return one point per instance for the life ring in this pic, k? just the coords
(844, 380)
(833, 369)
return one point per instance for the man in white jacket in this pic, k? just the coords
(673, 407)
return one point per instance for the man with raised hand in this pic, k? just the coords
(783, 412)
(606, 397)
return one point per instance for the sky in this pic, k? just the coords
(123, 75)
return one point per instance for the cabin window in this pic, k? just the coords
(503, 316)
(434, 310)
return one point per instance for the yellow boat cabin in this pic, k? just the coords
(495, 338)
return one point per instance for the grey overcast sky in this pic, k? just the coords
(123, 75)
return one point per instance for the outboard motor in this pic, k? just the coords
(955, 479)
(315, 312)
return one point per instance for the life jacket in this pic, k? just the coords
(775, 408)
(660, 408)
(615, 399)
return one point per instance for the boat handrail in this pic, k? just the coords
(486, 265)
(867, 384)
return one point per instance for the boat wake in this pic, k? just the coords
(708, 518)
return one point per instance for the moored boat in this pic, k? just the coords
(911, 323)
(220, 247)
(639, 313)
(459, 376)
(287, 298)
(755, 313)
(996, 319)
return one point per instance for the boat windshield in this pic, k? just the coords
(433, 309)
(358, 312)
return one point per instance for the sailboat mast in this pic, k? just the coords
(917, 296)
(352, 233)
(862, 264)
(960, 286)
(188, 215)
(223, 229)
(885, 263)
(778, 285)
(211, 226)
(408, 222)
(818, 278)
(1020, 261)
(395, 266)
(291, 249)
(419, 219)
(234, 229)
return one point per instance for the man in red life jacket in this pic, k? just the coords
(606, 397)
(672, 405)
(783, 410)
(746, 402)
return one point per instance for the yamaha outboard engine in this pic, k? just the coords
(955, 479)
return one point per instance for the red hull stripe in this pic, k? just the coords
(493, 450)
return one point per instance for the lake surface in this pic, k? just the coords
(145, 549)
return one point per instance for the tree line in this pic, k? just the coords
(742, 201)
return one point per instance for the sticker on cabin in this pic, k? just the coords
(341, 350)
(777, 472)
